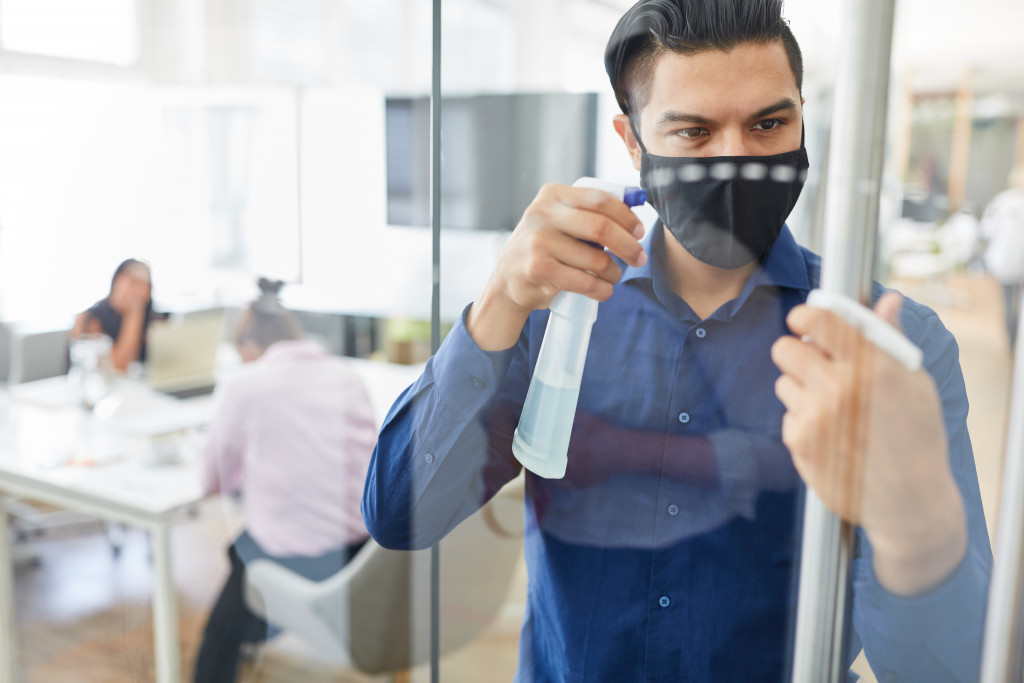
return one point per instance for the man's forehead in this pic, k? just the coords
(738, 82)
(755, 69)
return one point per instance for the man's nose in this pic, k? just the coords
(733, 144)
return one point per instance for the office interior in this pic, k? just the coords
(224, 140)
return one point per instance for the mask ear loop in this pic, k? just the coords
(636, 135)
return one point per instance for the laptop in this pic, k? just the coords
(181, 353)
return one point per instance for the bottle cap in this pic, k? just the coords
(634, 196)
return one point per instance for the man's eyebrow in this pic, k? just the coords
(673, 117)
(785, 104)
(682, 117)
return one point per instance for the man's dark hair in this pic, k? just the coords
(653, 27)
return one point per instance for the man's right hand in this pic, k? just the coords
(547, 254)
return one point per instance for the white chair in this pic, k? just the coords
(373, 615)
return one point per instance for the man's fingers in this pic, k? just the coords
(888, 308)
(572, 280)
(804, 362)
(825, 329)
(582, 256)
(598, 217)
(600, 201)
(790, 392)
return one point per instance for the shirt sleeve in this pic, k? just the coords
(223, 458)
(936, 636)
(434, 464)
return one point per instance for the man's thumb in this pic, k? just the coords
(888, 308)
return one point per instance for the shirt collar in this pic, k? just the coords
(783, 266)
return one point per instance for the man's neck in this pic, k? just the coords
(703, 287)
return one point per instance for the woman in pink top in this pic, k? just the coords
(293, 433)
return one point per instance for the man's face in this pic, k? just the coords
(744, 102)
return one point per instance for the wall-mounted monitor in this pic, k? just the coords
(497, 151)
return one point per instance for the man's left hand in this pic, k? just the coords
(867, 436)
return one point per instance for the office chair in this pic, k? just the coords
(374, 614)
(5, 352)
(37, 355)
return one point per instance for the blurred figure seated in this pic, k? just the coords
(1003, 225)
(293, 432)
(124, 315)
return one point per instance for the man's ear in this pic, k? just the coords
(625, 131)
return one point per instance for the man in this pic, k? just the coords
(668, 551)
(292, 434)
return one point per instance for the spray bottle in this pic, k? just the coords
(541, 442)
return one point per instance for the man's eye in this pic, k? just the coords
(767, 124)
(691, 132)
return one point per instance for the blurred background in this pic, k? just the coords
(222, 140)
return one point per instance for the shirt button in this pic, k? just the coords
(477, 382)
(429, 457)
(664, 601)
(684, 418)
(673, 509)
(701, 333)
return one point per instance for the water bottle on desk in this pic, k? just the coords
(90, 377)
(541, 441)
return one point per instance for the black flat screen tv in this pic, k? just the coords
(496, 152)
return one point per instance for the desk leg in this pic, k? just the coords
(8, 630)
(165, 609)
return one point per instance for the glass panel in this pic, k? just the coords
(672, 540)
(253, 145)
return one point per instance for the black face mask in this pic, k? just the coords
(726, 211)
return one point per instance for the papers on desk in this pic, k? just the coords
(139, 411)
(163, 418)
(47, 393)
(49, 430)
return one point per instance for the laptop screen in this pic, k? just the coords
(182, 352)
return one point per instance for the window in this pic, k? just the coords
(105, 31)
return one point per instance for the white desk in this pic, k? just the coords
(52, 451)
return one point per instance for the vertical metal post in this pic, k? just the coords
(1000, 654)
(8, 627)
(851, 217)
(435, 306)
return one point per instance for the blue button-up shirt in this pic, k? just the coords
(669, 552)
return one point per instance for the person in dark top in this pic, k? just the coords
(124, 315)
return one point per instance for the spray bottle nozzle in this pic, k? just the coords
(634, 196)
